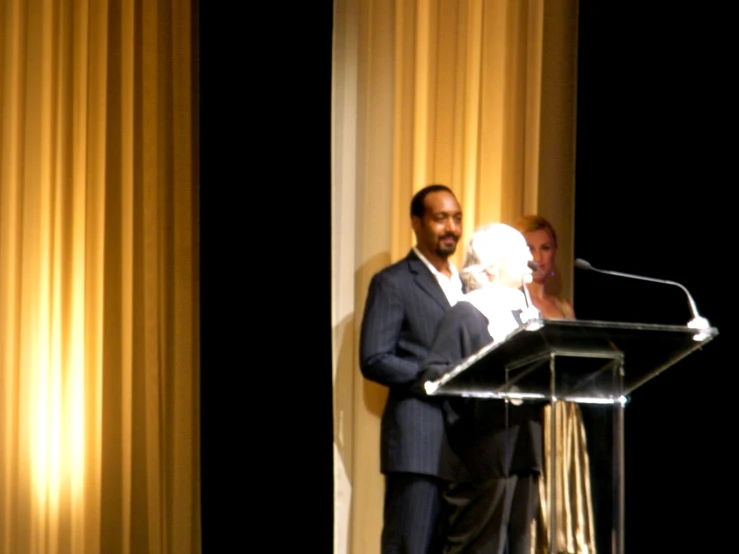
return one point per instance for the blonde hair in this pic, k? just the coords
(528, 223)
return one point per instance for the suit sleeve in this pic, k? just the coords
(461, 333)
(382, 323)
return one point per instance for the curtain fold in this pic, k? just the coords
(474, 94)
(99, 307)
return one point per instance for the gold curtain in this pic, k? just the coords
(99, 409)
(466, 104)
(474, 94)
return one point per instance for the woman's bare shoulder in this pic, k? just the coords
(566, 308)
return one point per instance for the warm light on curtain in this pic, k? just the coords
(474, 94)
(99, 352)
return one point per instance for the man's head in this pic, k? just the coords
(436, 219)
(496, 253)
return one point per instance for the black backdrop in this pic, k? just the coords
(653, 197)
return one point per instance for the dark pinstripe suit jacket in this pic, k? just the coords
(404, 305)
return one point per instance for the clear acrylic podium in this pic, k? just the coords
(587, 362)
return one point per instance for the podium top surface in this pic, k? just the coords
(575, 360)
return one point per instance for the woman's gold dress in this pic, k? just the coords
(574, 532)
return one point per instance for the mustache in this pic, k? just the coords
(449, 236)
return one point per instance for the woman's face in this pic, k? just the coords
(543, 250)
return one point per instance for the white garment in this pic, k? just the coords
(452, 286)
(497, 304)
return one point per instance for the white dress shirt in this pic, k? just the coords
(452, 286)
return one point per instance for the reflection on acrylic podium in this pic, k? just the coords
(587, 362)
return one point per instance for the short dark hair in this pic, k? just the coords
(417, 203)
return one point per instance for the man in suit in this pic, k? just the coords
(405, 302)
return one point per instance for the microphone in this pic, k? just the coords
(530, 313)
(697, 322)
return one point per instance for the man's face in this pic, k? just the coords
(440, 228)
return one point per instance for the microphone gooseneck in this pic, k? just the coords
(531, 312)
(697, 322)
(529, 303)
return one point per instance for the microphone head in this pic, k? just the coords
(582, 264)
(533, 265)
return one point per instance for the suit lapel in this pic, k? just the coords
(423, 277)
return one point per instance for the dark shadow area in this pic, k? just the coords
(653, 199)
(265, 213)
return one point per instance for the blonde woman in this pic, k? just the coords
(574, 532)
